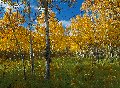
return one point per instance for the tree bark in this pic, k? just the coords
(31, 42)
(47, 56)
(31, 54)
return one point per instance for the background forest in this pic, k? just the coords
(85, 54)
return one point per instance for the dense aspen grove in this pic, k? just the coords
(85, 54)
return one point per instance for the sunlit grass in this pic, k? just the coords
(65, 73)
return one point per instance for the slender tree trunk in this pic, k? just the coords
(31, 54)
(24, 68)
(47, 74)
(31, 42)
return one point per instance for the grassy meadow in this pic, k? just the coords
(67, 72)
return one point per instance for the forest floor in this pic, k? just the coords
(65, 73)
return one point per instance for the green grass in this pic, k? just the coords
(65, 73)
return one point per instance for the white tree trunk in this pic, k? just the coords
(47, 74)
